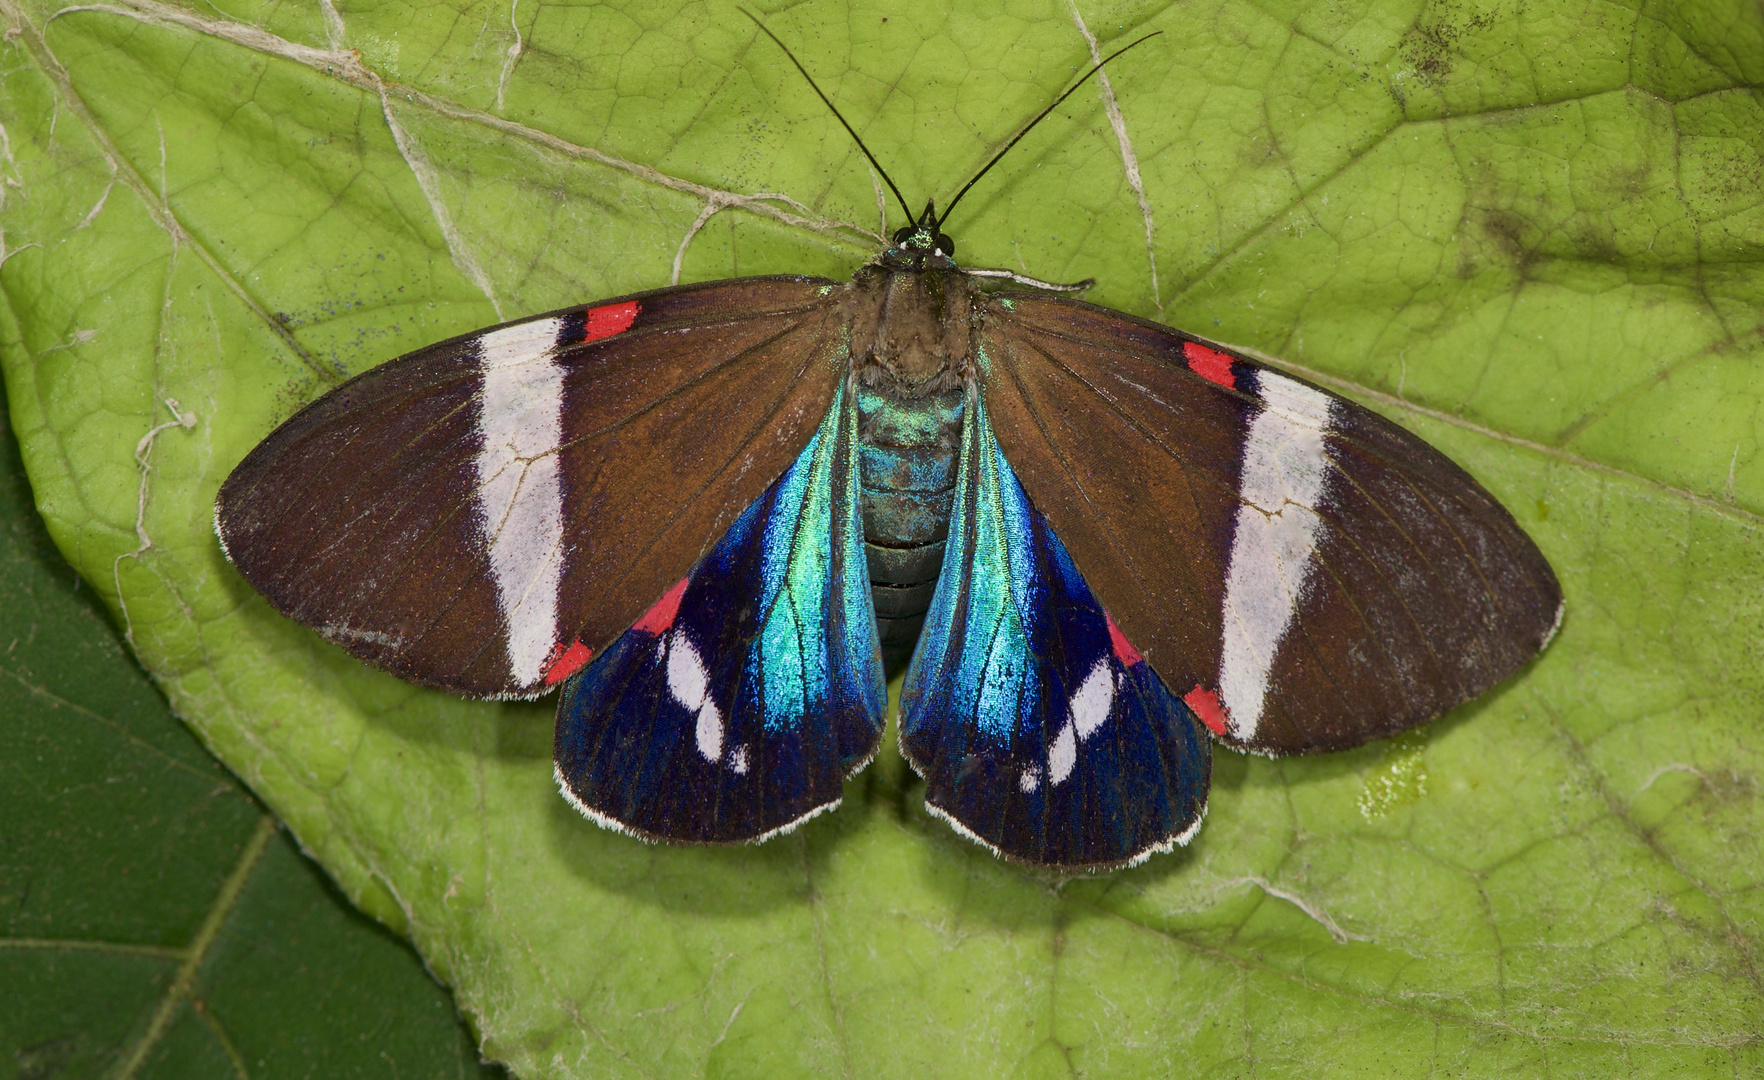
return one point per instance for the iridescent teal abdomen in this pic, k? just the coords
(907, 468)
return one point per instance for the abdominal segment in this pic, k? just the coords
(907, 467)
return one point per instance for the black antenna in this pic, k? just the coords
(854, 135)
(1026, 128)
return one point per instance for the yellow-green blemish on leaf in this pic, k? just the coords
(1399, 779)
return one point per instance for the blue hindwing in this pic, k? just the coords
(1038, 728)
(740, 703)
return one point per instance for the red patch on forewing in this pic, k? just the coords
(1208, 363)
(565, 661)
(1205, 704)
(1124, 650)
(604, 322)
(659, 618)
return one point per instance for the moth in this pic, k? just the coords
(717, 516)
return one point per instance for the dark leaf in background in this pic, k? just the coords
(154, 921)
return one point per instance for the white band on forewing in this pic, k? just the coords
(1285, 471)
(520, 499)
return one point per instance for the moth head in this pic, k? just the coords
(922, 241)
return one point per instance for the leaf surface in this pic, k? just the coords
(1530, 232)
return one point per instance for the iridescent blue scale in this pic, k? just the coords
(907, 468)
(737, 707)
(1040, 731)
(739, 704)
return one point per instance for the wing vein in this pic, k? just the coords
(1071, 474)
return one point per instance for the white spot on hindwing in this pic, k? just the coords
(1094, 698)
(520, 499)
(710, 732)
(689, 683)
(1062, 756)
(1285, 474)
(1087, 711)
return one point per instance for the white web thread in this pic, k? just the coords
(716, 202)
(1317, 914)
(143, 452)
(428, 181)
(513, 54)
(1129, 159)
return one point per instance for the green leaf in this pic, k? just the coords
(1528, 231)
(155, 921)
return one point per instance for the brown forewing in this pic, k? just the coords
(1424, 593)
(357, 516)
(1136, 473)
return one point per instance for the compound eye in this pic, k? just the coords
(946, 245)
(901, 235)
